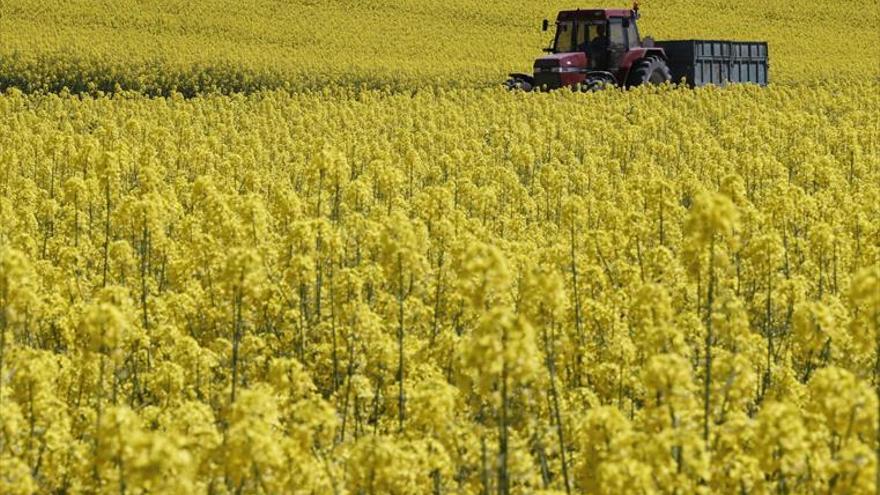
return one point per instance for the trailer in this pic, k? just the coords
(701, 62)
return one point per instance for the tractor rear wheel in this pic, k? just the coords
(649, 70)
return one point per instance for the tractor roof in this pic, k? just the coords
(585, 14)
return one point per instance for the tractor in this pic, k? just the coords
(594, 48)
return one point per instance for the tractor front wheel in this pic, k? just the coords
(595, 83)
(649, 70)
(517, 84)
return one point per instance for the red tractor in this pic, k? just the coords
(594, 48)
(600, 47)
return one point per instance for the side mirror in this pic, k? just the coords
(545, 25)
(625, 23)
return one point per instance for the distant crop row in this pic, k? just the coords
(652, 291)
(159, 77)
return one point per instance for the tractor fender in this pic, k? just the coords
(525, 77)
(637, 54)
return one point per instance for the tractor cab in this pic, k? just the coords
(602, 35)
(592, 48)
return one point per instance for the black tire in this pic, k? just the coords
(517, 84)
(594, 84)
(649, 70)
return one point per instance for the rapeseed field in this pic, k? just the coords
(315, 248)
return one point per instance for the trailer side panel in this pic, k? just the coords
(701, 62)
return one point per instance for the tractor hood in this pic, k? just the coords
(573, 60)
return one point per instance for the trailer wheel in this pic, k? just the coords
(649, 70)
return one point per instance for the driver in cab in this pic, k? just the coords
(598, 48)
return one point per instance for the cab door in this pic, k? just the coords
(616, 41)
(632, 34)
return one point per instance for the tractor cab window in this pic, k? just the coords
(587, 32)
(592, 38)
(632, 35)
(564, 37)
(616, 42)
(615, 35)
